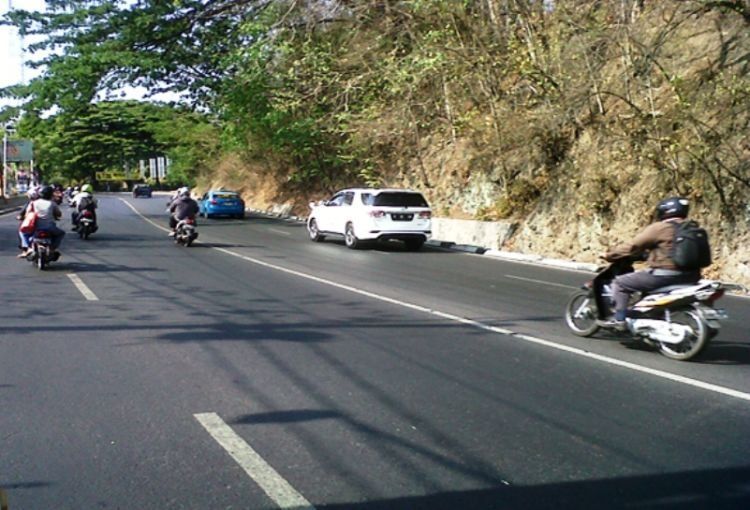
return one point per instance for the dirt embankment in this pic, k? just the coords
(576, 140)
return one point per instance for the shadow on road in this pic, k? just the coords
(718, 489)
(714, 489)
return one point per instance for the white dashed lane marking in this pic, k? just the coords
(272, 483)
(279, 231)
(87, 293)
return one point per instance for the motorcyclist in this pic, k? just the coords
(48, 212)
(181, 208)
(83, 201)
(657, 240)
(57, 193)
(33, 194)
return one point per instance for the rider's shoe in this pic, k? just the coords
(612, 324)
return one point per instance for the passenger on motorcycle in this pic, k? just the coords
(83, 201)
(181, 208)
(657, 240)
(57, 193)
(48, 212)
(26, 250)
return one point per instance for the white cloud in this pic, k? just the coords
(12, 56)
(11, 47)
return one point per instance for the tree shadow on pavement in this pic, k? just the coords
(716, 489)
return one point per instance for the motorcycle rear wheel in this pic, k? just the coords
(695, 342)
(580, 314)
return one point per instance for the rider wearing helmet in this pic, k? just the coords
(48, 212)
(83, 201)
(657, 240)
(181, 207)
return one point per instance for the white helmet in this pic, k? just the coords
(183, 191)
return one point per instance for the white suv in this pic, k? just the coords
(372, 214)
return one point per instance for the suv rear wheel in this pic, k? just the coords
(414, 244)
(350, 239)
(313, 232)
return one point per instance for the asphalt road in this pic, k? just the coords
(257, 369)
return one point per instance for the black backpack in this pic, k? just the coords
(690, 248)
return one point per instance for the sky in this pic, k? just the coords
(13, 71)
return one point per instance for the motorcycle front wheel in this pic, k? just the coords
(580, 314)
(695, 340)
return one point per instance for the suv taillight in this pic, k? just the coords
(425, 215)
(716, 296)
(377, 214)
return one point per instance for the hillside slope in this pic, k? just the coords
(570, 118)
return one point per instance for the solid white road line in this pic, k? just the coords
(540, 281)
(82, 287)
(272, 483)
(469, 322)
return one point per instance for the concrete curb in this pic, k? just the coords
(12, 204)
(538, 259)
(10, 210)
(467, 248)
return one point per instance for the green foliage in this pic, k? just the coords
(334, 93)
(115, 136)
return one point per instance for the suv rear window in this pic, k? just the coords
(225, 195)
(395, 199)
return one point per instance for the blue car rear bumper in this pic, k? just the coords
(214, 210)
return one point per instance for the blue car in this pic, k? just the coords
(221, 203)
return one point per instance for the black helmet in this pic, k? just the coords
(46, 192)
(57, 187)
(672, 207)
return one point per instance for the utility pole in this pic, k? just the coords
(5, 162)
(8, 128)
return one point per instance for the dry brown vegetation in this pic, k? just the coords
(571, 118)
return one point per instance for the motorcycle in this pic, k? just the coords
(185, 232)
(86, 224)
(42, 253)
(678, 320)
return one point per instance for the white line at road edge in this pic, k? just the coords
(87, 293)
(723, 390)
(272, 483)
